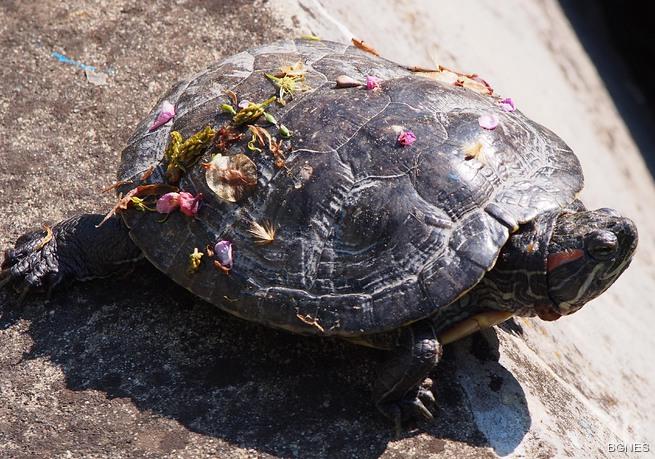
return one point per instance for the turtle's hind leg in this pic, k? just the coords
(397, 392)
(74, 249)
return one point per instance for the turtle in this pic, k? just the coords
(314, 187)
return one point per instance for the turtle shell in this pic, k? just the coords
(370, 235)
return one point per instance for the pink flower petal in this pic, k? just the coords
(488, 121)
(244, 103)
(372, 82)
(168, 203)
(189, 203)
(406, 138)
(507, 104)
(223, 253)
(166, 113)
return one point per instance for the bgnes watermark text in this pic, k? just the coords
(620, 447)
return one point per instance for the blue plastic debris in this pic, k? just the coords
(67, 60)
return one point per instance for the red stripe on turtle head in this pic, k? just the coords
(560, 258)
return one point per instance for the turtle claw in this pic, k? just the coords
(31, 265)
(416, 409)
(426, 396)
(401, 391)
(413, 407)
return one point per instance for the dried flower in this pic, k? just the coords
(223, 253)
(309, 320)
(116, 185)
(231, 177)
(372, 82)
(344, 81)
(259, 136)
(195, 258)
(142, 190)
(470, 81)
(233, 96)
(361, 44)
(488, 121)
(439, 73)
(123, 202)
(507, 104)
(478, 84)
(189, 203)
(406, 138)
(295, 70)
(166, 113)
(168, 203)
(287, 86)
(263, 233)
(147, 173)
(275, 148)
(226, 136)
(288, 81)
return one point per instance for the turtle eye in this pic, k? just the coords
(601, 245)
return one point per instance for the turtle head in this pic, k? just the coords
(587, 252)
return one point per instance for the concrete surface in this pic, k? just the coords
(137, 367)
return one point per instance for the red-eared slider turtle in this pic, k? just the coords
(313, 187)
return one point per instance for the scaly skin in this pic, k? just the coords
(77, 250)
(397, 392)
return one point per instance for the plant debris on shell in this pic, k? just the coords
(231, 177)
(263, 233)
(470, 81)
(182, 154)
(288, 81)
(361, 44)
(195, 259)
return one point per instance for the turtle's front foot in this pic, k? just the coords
(72, 249)
(413, 406)
(397, 391)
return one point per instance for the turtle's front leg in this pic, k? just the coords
(397, 392)
(74, 249)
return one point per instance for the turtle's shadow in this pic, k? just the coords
(149, 341)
